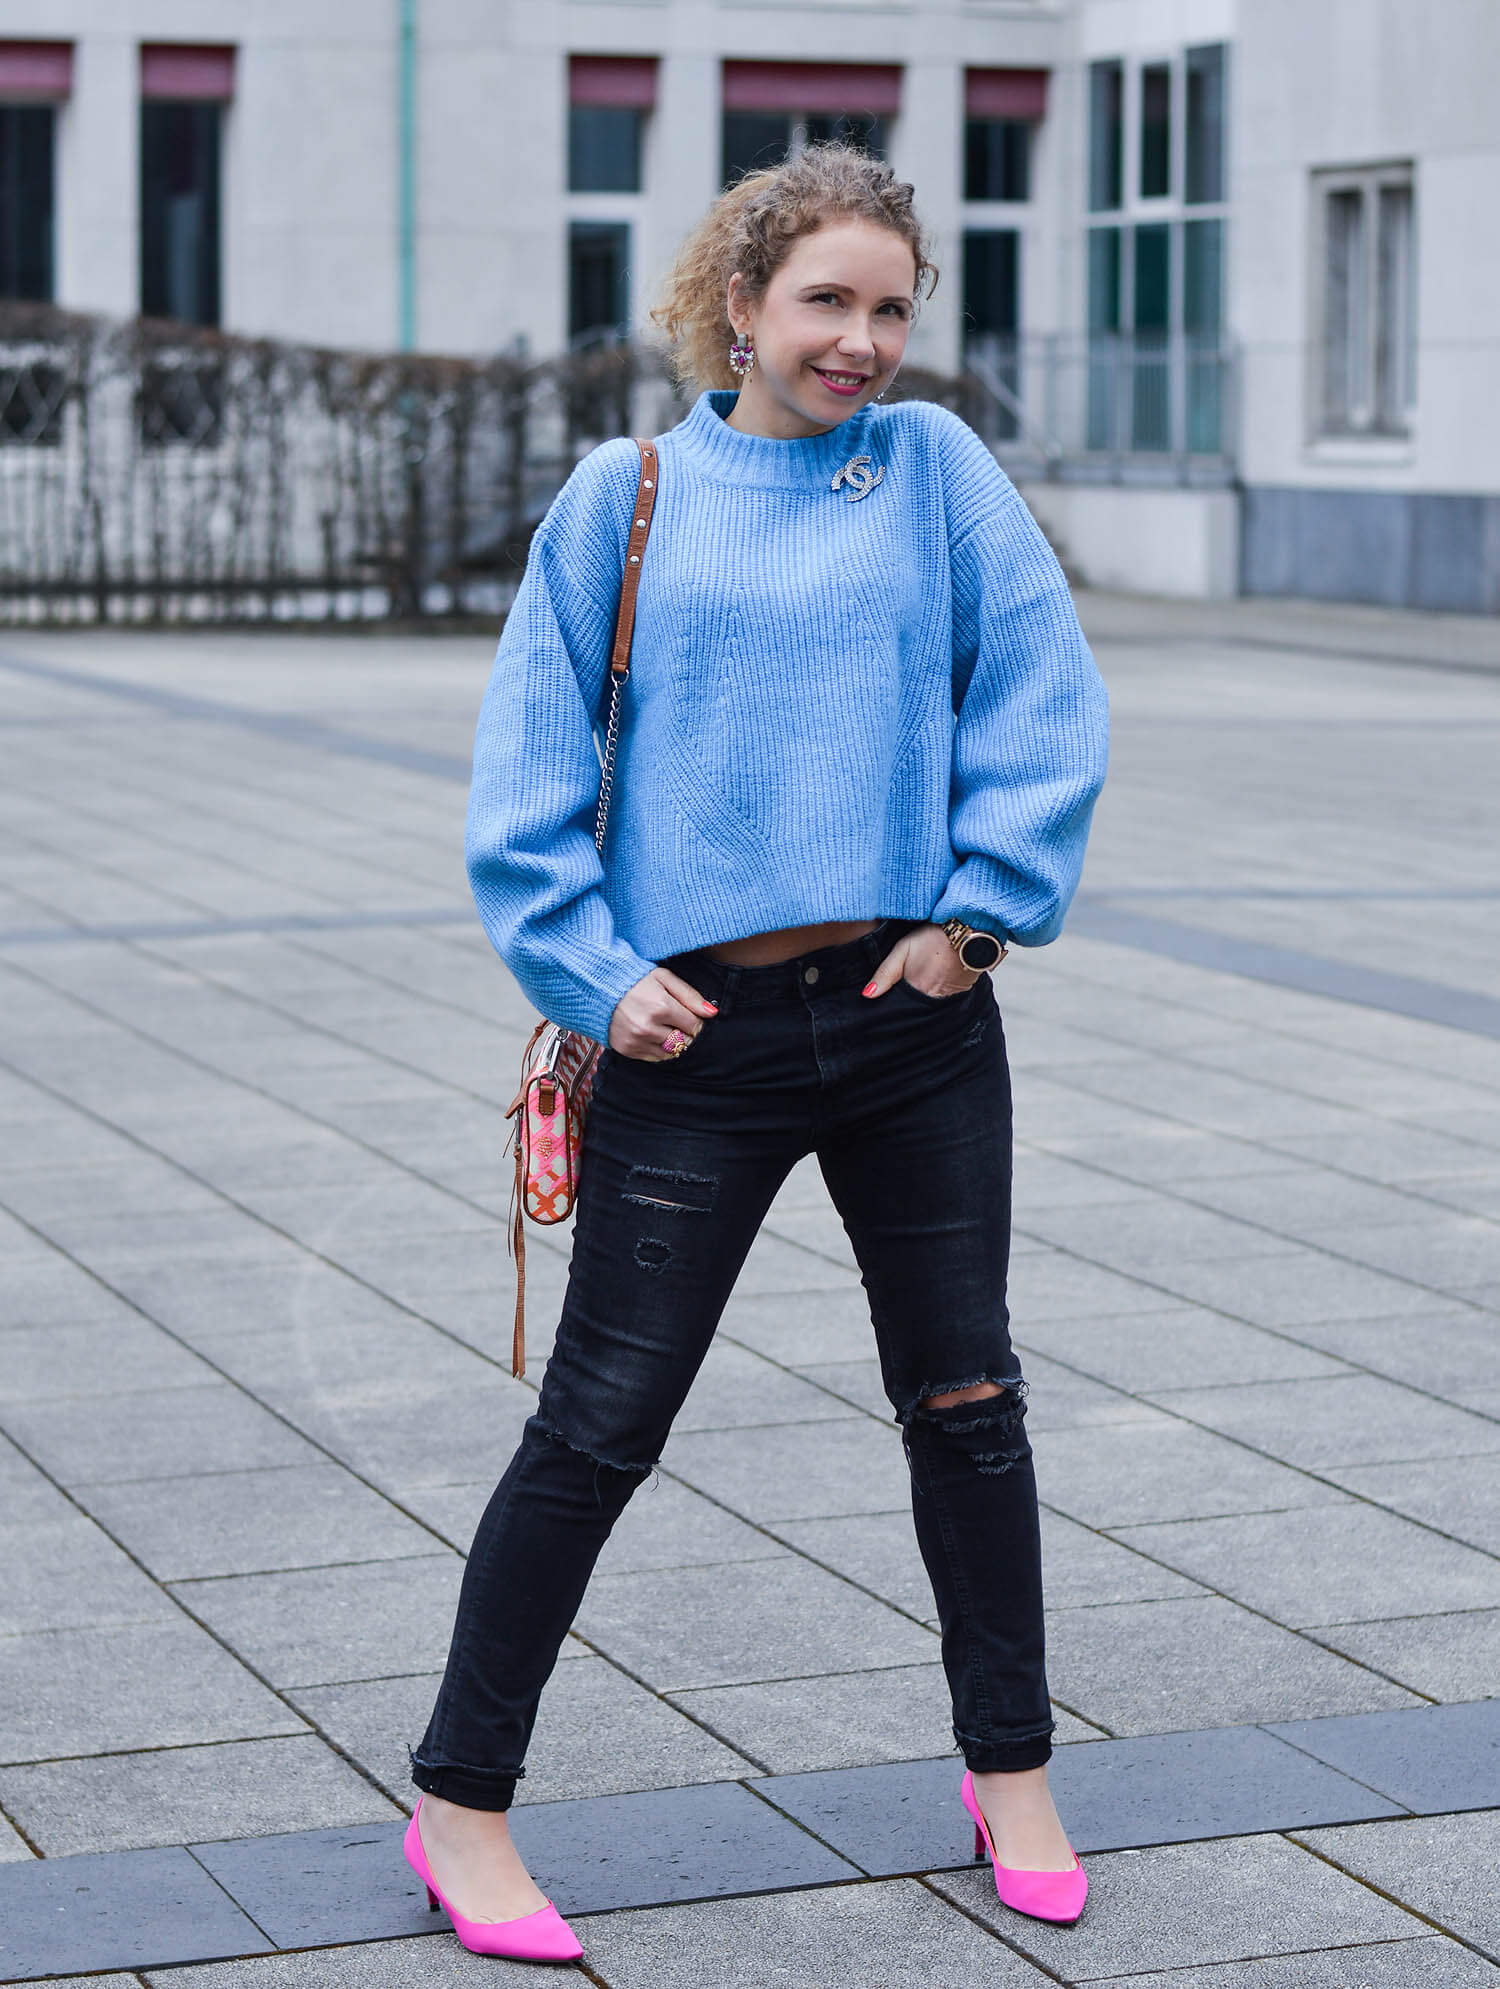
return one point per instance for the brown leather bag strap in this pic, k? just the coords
(640, 528)
(619, 661)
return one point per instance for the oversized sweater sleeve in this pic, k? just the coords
(1031, 734)
(529, 845)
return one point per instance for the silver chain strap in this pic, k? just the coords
(607, 764)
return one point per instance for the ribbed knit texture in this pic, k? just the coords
(836, 710)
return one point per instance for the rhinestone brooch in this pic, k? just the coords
(857, 475)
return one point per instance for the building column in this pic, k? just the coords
(927, 149)
(98, 179)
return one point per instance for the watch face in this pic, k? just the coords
(980, 951)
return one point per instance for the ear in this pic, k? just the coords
(733, 306)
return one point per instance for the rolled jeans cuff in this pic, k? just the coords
(470, 1788)
(1006, 1757)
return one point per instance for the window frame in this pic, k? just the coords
(1378, 417)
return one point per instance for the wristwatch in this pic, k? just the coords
(979, 951)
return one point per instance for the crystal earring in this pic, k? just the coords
(741, 355)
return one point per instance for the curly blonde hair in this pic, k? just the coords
(752, 227)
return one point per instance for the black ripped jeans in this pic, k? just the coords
(905, 1099)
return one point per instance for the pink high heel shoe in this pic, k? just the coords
(541, 1936)
(1057, 1896)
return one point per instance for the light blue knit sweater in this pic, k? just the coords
(837, 709)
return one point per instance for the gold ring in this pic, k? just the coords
(675, 1043)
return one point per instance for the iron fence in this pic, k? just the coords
(156, 472)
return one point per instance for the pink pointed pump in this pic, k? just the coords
(1056, 1896)
(541, 1936)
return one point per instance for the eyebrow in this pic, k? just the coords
(896, 296)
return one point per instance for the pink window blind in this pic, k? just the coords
(620, 82)
(825, 87)
(188, 72)
(41, 71)
(1014, 93)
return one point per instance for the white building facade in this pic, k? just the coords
(1221, 264)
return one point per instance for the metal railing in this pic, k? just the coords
(1126, 406)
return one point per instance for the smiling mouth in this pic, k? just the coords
(844, 380)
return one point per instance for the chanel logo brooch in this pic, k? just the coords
(856, 473)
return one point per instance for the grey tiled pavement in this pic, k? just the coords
(254, 1350)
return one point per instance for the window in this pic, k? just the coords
(1002, 108)
(609, 97)
(604, 149)
(183, 93)
(754, 139)
(1367, 347)
(26, 146)
(1156, 131)
(1106, 134)
(35, 76)
(997, 159)
(1157, 368)
(771, 110)
(1204, 169)
(598, 277)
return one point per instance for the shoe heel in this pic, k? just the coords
(981, 1850)
(432, 1900)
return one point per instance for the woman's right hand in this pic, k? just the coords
(646, 1015)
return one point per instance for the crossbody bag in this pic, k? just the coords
(558, 1065)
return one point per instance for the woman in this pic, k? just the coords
(862, 740)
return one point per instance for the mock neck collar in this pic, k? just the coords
(766, 460)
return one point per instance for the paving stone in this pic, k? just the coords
(803, 1327)
(743, 1622)
(796, 1471)
(1326, 1564)
(376, 1619)
(342, 1885)
(1451, 1656)
(1150, 1667)
(1457, 1346)
(1251, 1896)
(103, 1357)
(160, 1684)
(1459, 1496)
(386, 1964)
(172, 1433)
(246, 1522)
(892, 1936)
(1427, 1959)
(121, 1910)
(48, 1291)
(1435, 1864)
(1126, 1473)
(837, 1721)
(668, 1525)
(13, 1848)
(1341, 1420)
(1054, 1286)
(62, 1573)
(1288, 1292)
(1178, 1347)
(597, 1733)
(127, 1801)
(735, 1388)
(1431, 1759)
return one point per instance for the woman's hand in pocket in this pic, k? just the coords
(924, 957)
(656, 1013)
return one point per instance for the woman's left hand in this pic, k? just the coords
(924, 957)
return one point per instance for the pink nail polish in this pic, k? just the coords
(712, 1007)
(868, 990)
